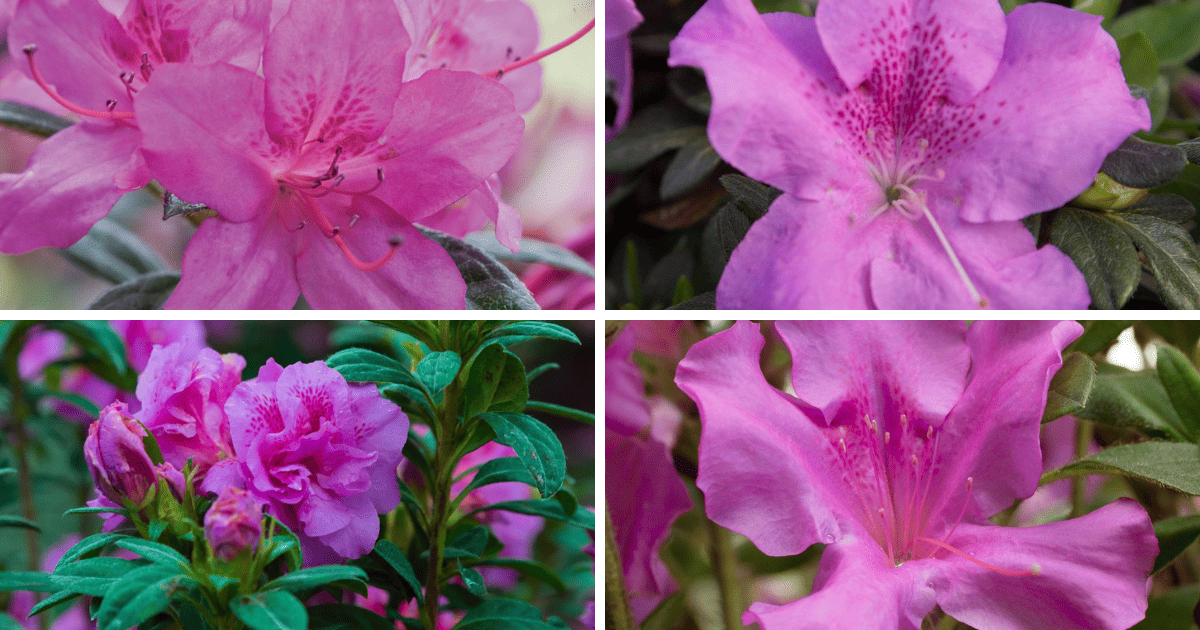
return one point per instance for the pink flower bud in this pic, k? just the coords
(116, 456)
(233, 523)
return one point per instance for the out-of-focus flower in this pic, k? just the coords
(645, 494)
(901, 440)
(620, 17)
(320, 453)
(73, 618)
(233, 523)
(377, 601)
(116, 457)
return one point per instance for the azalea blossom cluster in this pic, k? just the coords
(318, 135)
(317, 453)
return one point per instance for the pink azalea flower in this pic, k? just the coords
(117, 459)
(910, 138)
(183, 394)
(620, 17)
(320, 453)
(233, 523)
(901, 440)
(319, 170)
(95, 64)
(645, 494)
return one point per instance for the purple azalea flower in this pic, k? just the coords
(319, 170)
(117, 459)
(645, 495)
(233, 523)
(320, 453)
(97, 64)
(909, 139)
(620, 17)
(901, 440)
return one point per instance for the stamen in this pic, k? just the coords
(353, 220)
(91, 113)
(1034, 569)
(297, 228)
(962, 512)
(962, 273)
(378, 183)
(495, 74)
(146, 67)
(393, 242)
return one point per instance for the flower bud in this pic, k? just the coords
(233, 523)
(116, 456)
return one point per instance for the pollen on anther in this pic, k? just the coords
(396, 241)
(842, 445)
(1035, 569)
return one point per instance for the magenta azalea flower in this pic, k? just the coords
(233, 523)
(319, 170)
(117, 459)
(95, 64)
(910, 138)
(320, 453)
(901, 440)
(620, 17)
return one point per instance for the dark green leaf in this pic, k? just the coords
(1172, 611)
(577, 415)
(1173, 257)
(703, 302)
(500, 470)
(1191, 149)
(519, 331)
(503, 614)
(530, 569)
(51, 601)
(490, 285)
(1104, 8)
(395, 558)
(536, 445)
(1134, 399)
(157, 553)
(87, 547)
(8, 623)
(270, 610)
(138, 596)
(469, 545)
(96, 510)
(494, 373)
(1171, 464)
(284, 543)
(664, 616)
(26, 581)
(1169, 208)
(111, 251)
(532, 252)
(1098, 335)
(1139, 163)
(345, 617)
(97, 339)
(1070, 387)
(751, 197)
(410, 399)
(548, 508)
(653, 131)
(313, 577)
(93, 576)
(1139, 62)
(31, 119)
(145, 292)
(472, 579)
(438, 369)
(17, 521)
(690, 166)
(688, 85)
(362, 365)
(1103, 253)
(1181, 334)
(1182, 383)
(1174, 536)
(89, 408)
(1173, 29)
(722, 234)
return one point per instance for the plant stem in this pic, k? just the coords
(1083, 439)
(20, 412)
(440, 487)
(725, 572)
(617, 615)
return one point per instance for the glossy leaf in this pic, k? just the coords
(270, 610)
(500, 470)
(1172, 464)
(155, 552)
(26, 581)
(313, 577)
(469, 545)
(31, 119)
(16, 521)
(520, 331)
(472, 579)
(548, 508)
(503, 614)
(93, 576)
(436, 370)
(88, 547)
(138, 596)
(536, 445)
(496, 382)
(395, 558)
(362, 365)
(345, 617)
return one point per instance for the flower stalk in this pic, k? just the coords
(617, 613)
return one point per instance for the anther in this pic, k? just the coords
(110, 104)
(91, 113)
(146, 67)
(353, 220)
(887, 437)
(842, 445)
(336, 230)
(297, 228)
(929, 433)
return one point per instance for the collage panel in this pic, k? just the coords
(1017, 475)
(280, 154)
(902, 155)
(221, 475)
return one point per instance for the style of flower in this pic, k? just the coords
(909, 139)
(116, 457)
(233, 523)
(620, 17)
(645, 494)
(95, 64)
(902, 438)
(183, 392)
(321, 454)
(318, 171)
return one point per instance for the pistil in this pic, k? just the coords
(82, 111)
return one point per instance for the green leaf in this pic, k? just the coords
(1120, 397)
(688, 168)
(285, 543)
(469, 545)
(1173, 257)
(270, 610)
(722, 234)
(1070, 387)
(490, 285)
(362, 365)
(1102, 251)
(96, 510)
(531, 252)
(520, 331)
(1143, 164)
(1168, 207)
(31, 119)
(664, 616)
(17, 521)
(438, 369)
(528, 568)
(1172, 611)
(688, 85)
(1098, 335)
(1182, 383)
(653, 131)
(1173, 29)
(1104, 8)
(395, 558)
(97, 339)
(503, 614)
(500, 470)
(1174, 536)
(8, 623)
(51, 601)
(138, 596)
(1139, 62)
(93, 576)
(87, 547)
(157, 553)
(548, 508)
(148, 291)
(494, 371)
(345, 617)
(536, 445)
(751, 197)
(472, 579)
(26, 581)
(314, 577)
(113, 252)
(1171, 464)
(410, 399)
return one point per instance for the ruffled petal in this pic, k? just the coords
(1093, 572)
(237, 266)
(201, 31)
(798, 500)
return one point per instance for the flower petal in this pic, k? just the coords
(1057, 106)
(1093, 572)
(203, 31)
(800, 498)
(237, 266)
(855, 588)
(71, 169)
